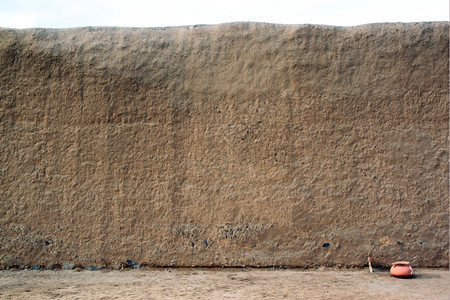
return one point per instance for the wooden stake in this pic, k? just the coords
(370, 264)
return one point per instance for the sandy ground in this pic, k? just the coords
(223, 284)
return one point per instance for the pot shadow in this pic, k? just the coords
(424, 276)
(419, 276)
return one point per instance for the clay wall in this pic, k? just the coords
(228, 145)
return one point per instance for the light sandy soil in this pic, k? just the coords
(223, 283)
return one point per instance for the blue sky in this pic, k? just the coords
(157, 13)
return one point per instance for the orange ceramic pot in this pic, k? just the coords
(401, 269)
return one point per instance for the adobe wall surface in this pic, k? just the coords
(227, 145)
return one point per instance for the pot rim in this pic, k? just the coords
(406, 263)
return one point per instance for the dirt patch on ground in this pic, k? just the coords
(223, 283)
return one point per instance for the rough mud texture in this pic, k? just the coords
(228, 145)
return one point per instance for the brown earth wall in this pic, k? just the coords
(226, 145)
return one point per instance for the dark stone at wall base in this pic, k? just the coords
(93, 268)
(68, 266)
(132, 264)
